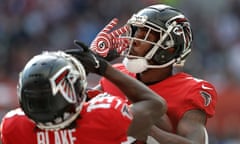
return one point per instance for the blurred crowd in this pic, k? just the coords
(28, 27)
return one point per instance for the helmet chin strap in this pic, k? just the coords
(163, 65)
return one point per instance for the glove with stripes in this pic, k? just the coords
(106, 41)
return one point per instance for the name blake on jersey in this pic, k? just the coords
(59, 137)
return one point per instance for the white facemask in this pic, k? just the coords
(135, 65)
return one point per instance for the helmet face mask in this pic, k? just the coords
(51, 89)
(173, 29)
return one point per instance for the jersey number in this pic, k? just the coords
(103, 101)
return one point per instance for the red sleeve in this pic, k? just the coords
(111, 114)
(16, 126)
(8, 125)
(110, 88)
(202, 96)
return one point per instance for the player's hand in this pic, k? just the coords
(91, 62)
(106, 40)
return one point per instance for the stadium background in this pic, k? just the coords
(28, 27)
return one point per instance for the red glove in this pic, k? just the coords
(105, 41)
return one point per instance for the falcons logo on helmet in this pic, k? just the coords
(63, 82)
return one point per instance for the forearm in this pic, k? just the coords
(164, 137)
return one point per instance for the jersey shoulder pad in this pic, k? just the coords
(13, 120)
(203, 95)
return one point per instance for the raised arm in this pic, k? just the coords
(191, 130)
(147, 105)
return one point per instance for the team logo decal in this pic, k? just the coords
(126, 111)
(207, 97)
(63, 82)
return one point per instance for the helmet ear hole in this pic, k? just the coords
(163, 56)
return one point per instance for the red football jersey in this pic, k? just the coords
(103, 120)
(181, 91)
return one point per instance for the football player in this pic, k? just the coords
(160, 40)
(53, 107)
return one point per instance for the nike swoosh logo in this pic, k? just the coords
(206, 88)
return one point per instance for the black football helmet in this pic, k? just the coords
(174, 32)
(51, 89)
